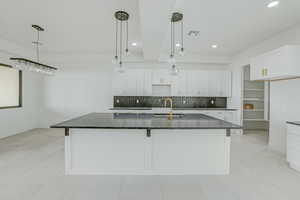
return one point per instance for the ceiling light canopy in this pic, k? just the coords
(35, 66)
(273, 4)
(121, 18)
(134, 44)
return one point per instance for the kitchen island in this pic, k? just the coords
(147, 144)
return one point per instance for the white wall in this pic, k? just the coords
(76, 90)
(16, 120)
(284, 95)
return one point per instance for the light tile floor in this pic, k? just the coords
(32, 168)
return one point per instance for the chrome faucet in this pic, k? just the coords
(170, 116)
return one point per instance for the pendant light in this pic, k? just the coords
(35, 66)
(121, 18)
(176, 18)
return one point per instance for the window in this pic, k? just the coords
(10, 87)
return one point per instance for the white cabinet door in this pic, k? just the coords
(190, 151)
(202, 83)
(208, 83)
(130, 87)
(107, 151)
(213, 84)
(179, 84)
(147, 83)
(119, 80)
(225, 84)
(277, 64)
(139, 76)
(161, 76)
(133, 82)
(192, 85)
(198, 83)
(257, 68)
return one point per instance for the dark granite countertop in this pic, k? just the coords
(146, 121)
(294, 123)
(131, 108)
(220, 109)
(190, 109)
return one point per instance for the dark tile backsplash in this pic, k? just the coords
(178, 102)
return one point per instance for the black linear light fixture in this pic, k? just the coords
(121, 17)
(35, 66)
(176, 17)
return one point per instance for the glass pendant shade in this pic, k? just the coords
(120, 68)
(115, 60)
(172, 60)
(174, 70)
(127, 52)
(181, 52)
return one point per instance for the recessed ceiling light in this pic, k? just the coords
(214, 46)
(178, 45)
(272, 4)
(134, 44)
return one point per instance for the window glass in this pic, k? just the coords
(10, 87)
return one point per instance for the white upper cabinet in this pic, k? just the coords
(179, 84)
(133, 82)
(202, 83)
(282, 63)
(209, 83)
(161, 77)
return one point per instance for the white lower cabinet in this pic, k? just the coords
(293, 146)
(119, 150)
(190, 151)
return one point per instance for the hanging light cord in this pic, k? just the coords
(171, 39)
(127, 35)
(182, 34)
(37, 43)
(121, 23)
(116, 56)
(173, 42)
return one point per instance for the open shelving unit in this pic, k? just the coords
(255, 93)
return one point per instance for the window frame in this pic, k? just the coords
(20, 89)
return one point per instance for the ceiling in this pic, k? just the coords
(87, 27)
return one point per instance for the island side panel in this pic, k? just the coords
(200, 151)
